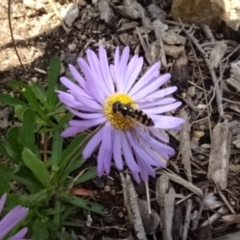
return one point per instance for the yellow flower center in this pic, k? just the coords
(117, 120)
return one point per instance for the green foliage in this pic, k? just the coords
(43, 102)
(39, 166)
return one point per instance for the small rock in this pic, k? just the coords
(113, 192)
(99, 182)
(156, 12)
(110, 182)
(82, 3)
(198, 134)
(72, 47)
(4, 123)
(68, 58)
(107, 188)
(6, 112)
(34, 79)
(108, 219)
(70, 13)
(191, 91)
(36, 5)
(121, 214)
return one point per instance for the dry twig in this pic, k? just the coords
(185, 147)
(219, 155)
(131, 203)
(210, 68)
(165, 195)
(187, 219)
(11, 32)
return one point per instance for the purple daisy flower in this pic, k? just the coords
(92, 99)
(11, 220)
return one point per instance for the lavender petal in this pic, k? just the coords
(107, 161)
(12, 219)
(159, 94)
(77, 76)
(93, 144)
(117, 152)
(166, 122)
(107, 137)
(162, 109)
(132, 78)
(105, 69)
(85, 124)
(156, 103)
(70, 131)
(19, 235)
(91, 82)
(151, 87)
(96, 72)
(85, 115)
(128, 155)
(100, 161)
(152, 73)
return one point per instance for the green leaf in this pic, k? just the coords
(37, 167)
(3, 149)
(5, 168)
(5, 186)
(17, 85)
(65, 119)
(12, 154)
(56, 217)
(13, 140)
(11, 101)
(20, 180)
(40, 231)
(27, 138)
(40, 92)
(39, 198)
(74, 164)
(56, 146)
(68, 211)
(52, 77)
(79, 202)
(88, 175)
(73, 148)
(31, 98)
(19, 110)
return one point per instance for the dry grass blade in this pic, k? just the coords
(185, 147)
(217, 53)
(231, 236)
(215, 216)
(210, 68)
(105, 11)
(183, 182)
(131, 203)
(219, 155)
(187, 219)
(150, 221)
(165, 195)
(234, 79)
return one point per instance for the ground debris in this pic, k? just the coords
(105, 11)
(185, 144)
(217, 53)
(219, 155)
(165, 195)
(131, 9)
(202, 72)
(234, 79)
(231, 236)
(131, 203)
